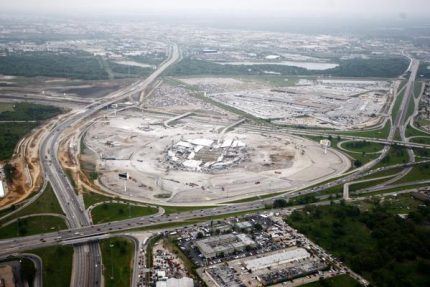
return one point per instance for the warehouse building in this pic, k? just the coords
(279, 258)
(224, 244)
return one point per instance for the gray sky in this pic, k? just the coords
(409, 8)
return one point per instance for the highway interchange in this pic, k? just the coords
(84, 236)
(87, 258)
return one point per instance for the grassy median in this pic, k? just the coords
(46, 203)
(117, 256)
(118, 211)
(32, 225)
(57, 265)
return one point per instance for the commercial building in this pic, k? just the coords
(224, 244)
(173, 282)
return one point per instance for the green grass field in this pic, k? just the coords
(46, 203)
(420, 172)
(418, 88)
(412, 132)
(91, 198)
(421, 140)
(410, 108)
(117, 256)
(6, 107)
(57, 265)
(119, 211)
(397, 105)
(396, 155)
(363, 146)
(32, 225)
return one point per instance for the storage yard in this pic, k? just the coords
(265, 253)
(198, 159)
(330, 103)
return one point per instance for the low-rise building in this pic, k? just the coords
(278, 258)
(173, 282)
(224, 244)
(2, 190)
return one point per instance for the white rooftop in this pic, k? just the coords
(227, 143)
(237, 143)
(2, 191)
(277, 258)
(193, 164)
(173, 282)
(202, 142)
(184, 144)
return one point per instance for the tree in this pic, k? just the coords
(280, 203)
(357, 163)
(258, 227)
(199, 235)
(9, 172)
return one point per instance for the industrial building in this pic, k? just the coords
(289, 255)
(224, 244)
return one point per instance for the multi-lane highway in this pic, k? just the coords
(87, 258)
(101, 231)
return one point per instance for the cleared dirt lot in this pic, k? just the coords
(137, 143)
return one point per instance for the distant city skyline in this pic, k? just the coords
(303, 8)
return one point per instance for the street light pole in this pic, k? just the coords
(129, 197)
(111, 260)
(124, 176)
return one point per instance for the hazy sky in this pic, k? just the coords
(395, 8)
